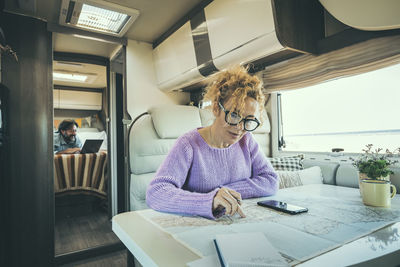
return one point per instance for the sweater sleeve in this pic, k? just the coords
(263, 181)
(165, 191)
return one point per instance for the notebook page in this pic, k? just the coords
(248, 249)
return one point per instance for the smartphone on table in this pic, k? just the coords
(282, 206)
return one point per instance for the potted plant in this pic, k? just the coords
(374, 166)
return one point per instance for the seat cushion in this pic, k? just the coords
(138, 189)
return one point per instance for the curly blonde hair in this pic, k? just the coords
(236, 84)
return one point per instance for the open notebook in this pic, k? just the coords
(247, 250)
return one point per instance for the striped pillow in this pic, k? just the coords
(290, 163)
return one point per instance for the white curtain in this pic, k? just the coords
(307, 70)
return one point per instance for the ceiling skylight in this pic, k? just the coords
(97, 16)
(101, 19)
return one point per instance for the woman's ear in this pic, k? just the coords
(215, 108)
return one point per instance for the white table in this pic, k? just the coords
(338, 230)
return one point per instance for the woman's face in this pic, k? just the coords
(230, 134)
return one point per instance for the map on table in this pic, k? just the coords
(336, 216)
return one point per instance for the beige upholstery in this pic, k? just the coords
(261, 134)
(152, 136)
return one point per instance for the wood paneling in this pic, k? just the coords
(29, 174)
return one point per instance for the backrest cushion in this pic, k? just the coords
(146, 149)
(347, 175)
(153, 135)
(312, 175)
(328, 169)
(172, 121)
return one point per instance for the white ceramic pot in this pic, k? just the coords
(363, 176)
(377, 192)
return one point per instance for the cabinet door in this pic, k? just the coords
(175, 59)
(80, 100)
(240, 31)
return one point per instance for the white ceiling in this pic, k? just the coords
(156, 17)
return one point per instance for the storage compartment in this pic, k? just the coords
(175, 59)
(241, 31)
(68, 99)
(229, 32)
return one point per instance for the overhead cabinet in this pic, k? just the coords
(237, 32)
(174, 57)
(79, 100)
(240, 31)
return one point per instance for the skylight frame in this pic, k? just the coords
(78, 4)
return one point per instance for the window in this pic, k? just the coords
(346, 113)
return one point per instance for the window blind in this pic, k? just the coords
(307, 70)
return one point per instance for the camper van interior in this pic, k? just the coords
(134, 75)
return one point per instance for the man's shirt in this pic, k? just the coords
(60, 144)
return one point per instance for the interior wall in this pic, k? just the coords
(142, 90)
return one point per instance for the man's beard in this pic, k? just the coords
(69, 139)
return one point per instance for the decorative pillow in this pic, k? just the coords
(291, 163)
(311, 175)
(289, 179)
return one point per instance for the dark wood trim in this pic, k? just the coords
(126, 117)
(181, 22)
(105, 115)
(81, 58)
(4, 163)
(87, 253)
(299, 24)
(120, 146)
(349, 37)
(52, 27)
(74, 88)
(30, 180)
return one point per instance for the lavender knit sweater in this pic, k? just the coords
(193, 172)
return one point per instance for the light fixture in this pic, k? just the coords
(69, 77)
(97, 16)
(61, 64)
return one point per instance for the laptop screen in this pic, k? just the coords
(91, 146)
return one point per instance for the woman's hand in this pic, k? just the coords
(230, 200)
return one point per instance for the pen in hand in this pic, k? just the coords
(229, 200)
(239, 201)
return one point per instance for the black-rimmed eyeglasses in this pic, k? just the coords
(233, 118)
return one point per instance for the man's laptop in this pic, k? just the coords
(91, 146)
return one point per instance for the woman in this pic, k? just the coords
(209, 170)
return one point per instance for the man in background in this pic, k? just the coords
(65, 139)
